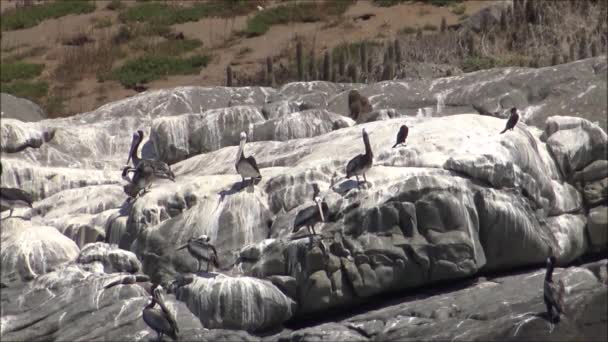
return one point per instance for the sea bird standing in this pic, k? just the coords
(201, 249)
(311, 215)
(246, 167)
(145, 170)
(162, 321)
(361, 163)
(513, 118)
(402, 135)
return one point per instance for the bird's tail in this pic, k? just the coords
(504, 130)
(395, 145)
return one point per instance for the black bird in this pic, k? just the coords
(513, 118)
(402, 135)
(553, 293)
(246, 167)
(150, 169)
(162, 321)
(311, 215)
(201, 249)
(12, 198)
(361, 163)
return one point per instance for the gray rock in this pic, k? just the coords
(596, 193)
(240, 303)
(30, 250)
(13, 107)
(597, 226)
(112, 258)
(594, 171)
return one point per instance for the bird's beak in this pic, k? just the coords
(182, 247)
(320, 210)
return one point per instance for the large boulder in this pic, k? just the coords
(30, 250)
(597, 226)
(13, 107)
(239, 303)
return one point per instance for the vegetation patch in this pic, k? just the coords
(102, 22)
(19, 71)
(31, 90)
(407, 30)
(389, 3)
(154, 67)
(304, 12)
(170, 14)
(168, 47)
(21, 18)
(352, 50)
(429, 27)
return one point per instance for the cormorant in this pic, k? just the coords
(149, 168)
(553, 293)
(246, 167)
(402, 135)
(513, 118)
(200, 249)
(162, 321)
(361, 163)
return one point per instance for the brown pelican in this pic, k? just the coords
(553, 293)
(246, 167)
(402, 135)
(11, 198)
(162, 321)
(361, 163)
(311, 215)
(200, 249)
(150, 169)
(513, 118)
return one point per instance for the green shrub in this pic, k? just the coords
(470, 64)
(459, 9)
(306, 12)
(167, 47)
(429, 27)
(19, 71)
(31, 16)
(407, 30)
(153, 67)
(32, 90)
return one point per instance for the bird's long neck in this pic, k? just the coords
(239, 153)
(549, 274)
(368, 146)
(152, 303)
(134, 156)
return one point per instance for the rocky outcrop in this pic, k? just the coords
(13, 107)
(458, 200)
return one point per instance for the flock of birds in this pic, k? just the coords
(146, 171)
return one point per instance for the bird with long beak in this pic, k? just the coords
(201, 249)
(13, 198)
(161, 321)
(402, 135)
(513, 118)
(146, 170)
(313, 214)
(362, 162)
(247, 167)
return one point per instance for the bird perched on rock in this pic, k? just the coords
(12, 198)
(362, 162)
(145, 170)
(402, 135)
(358, 104)
(553, 293)
(313, 214)
(513, 118)
(201, 249)
(247, 167)
(162, 321)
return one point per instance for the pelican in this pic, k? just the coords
(200, 249)
(361, 163)
(11, 198)
(311, 215)
(246, 167)
(402, 135)
(150, 169)
(513, 118)
(553, 294)
(162, 321)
